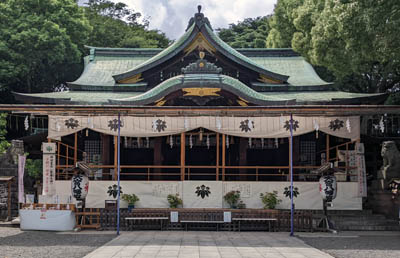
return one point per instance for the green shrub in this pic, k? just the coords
(270, 200)
(174, 200)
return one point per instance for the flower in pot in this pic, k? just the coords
(174, 200)
(270, 200)
(232, 198)
(131, 199)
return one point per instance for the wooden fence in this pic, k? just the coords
(302, 219)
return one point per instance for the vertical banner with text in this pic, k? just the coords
(21, 169)
(361, 170)
(49, 168)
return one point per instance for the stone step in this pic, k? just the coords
(365, 223)
(368, 228)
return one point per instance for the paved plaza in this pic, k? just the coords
(191, 244)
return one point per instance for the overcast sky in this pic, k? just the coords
(172, 16)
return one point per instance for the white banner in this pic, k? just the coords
(21, 170)
(49, 168)
(361, 170)
(209, 194)
(254, 127)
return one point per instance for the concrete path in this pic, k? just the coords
(199, 244)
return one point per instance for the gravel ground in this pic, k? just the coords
(43, 244)
(362, 245)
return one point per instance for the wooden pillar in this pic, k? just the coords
(223, 156)
(157, 155)
(217, 158)
(183, 143)
(105, 153)
(75, 149)
(327, 147)
(115, 157)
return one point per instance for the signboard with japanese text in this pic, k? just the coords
(49, 168)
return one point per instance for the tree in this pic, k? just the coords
(281, 23)
(249, 33)
(115, 25)
(4, 144)
(354, 40)
(40, 43)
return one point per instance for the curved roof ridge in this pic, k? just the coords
(221, 81)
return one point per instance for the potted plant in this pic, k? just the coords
(174, 200)
(270, 200)
(241, 205)
(131, 199)
(232, 198)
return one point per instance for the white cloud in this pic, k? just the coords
(172, 16)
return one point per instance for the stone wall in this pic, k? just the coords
(9, 167)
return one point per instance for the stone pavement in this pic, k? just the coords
(199, 244)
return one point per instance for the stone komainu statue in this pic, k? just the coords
(391, 161)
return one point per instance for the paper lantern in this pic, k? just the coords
(328, 187)
(79, 186)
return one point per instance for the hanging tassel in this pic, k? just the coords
(125, 142)
(348, 125)
(201, 134)
(276, 143)
(227, 141)
(382, 125)
(191, 141)
(218, 123)
(316, 128)
(26, 123)
(87, 132)
(250, 142)
(208, 142)
(171, 141)
(147, 142)
(139, 144)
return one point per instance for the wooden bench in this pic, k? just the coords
(134, 219)
(269, 220)
(210, 218)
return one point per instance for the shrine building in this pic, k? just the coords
(200, 114)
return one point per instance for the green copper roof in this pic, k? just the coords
(202, 80)
(311, 97)
(77, 97)
(300, 72)
(174, 48)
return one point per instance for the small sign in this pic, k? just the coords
(227, 217)
(174, 216)
(43, 213)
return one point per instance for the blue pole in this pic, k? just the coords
(118, 168)
(291, 175)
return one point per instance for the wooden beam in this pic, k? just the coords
(183, 143)
(223, 156)
(75, 148)
(217, 158)
(115, 157)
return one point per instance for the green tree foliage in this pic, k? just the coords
(249, 33)
(281, 23)
(354, 40)
(40, 43)
(4, 144)
(115, 25)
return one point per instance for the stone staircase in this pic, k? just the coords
(363, 220)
